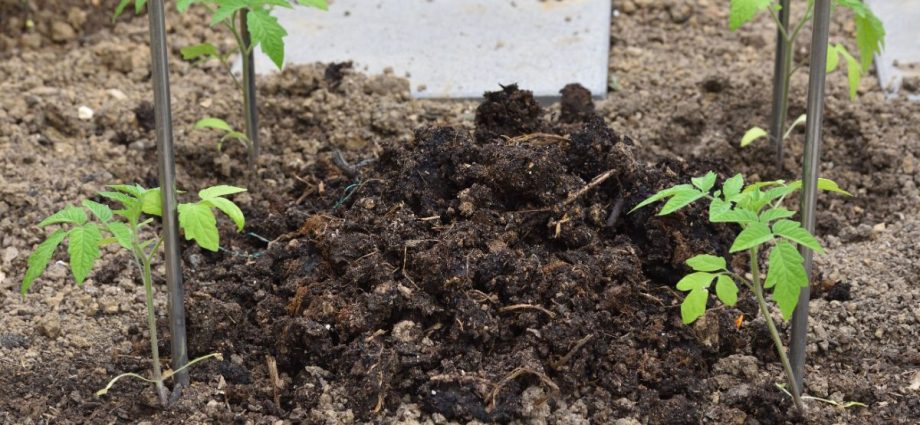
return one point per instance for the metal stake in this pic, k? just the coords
(782, 64)
(250, 111)
(810, 168)
(167, 176)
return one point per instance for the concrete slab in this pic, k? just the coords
(900, 61)
(458, 48)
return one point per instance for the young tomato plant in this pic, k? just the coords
(870, 37)
(765, 226)
(130, 228)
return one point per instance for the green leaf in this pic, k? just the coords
(732, 186)
(706, 263)
(664, 193)
(121, 232)
(705, 182)
(120, 8)
(680, 199)
(226, 10)
(196, 51)
(152, 202)
(319, 4)
(38, 260)
(694, 305)
(69, 214)
(83, 248)
(219, 190)
(870, 33)
(183, 5)
(751, 135)
(199, 224)
(721, 212)
(268, 34)
(786, 276)
(215, 123)
(854, 70)
(826, 185)
(133, 190)
(833, 58)
(742, 11)
(794, 231)
(775, 213)
(230, 209)
(281, 3)
(694, 281)
(726, 290)
(101, 211)
(119, 197)
(754, 234)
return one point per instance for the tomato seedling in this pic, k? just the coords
(870, 37)
(129, 228)
(765, 226)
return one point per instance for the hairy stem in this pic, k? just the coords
(774, 334)
(152, 326)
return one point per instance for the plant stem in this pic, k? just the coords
(781, 77)
(152, 326)
(774, 334)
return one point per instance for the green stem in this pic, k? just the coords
(774, 334)
(152, 327)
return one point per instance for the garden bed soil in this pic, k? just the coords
(457, 264)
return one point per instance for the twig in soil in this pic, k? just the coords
(539, 139)
(343, 165)
(602, 177)
(277, 383)
(512, 376)
(406, 275)
(844, 404)
(528, 307)
(568, 356)
(615, 211)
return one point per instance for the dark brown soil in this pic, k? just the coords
(459, 267)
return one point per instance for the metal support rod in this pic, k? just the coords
(250, 110)
(782, 65)
(810, 167)
(167, 176)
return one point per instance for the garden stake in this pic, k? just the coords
(250, 113)
(781, 77)
(167, 177)
(810, 165)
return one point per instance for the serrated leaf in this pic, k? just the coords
(854, 72)
(280, 3)
(664, 193)
(139, 6)
(199, 224)
(121, 232)
(133, 190)
(732, 186)
(152, 202)
(196, 51)
(786, 275)
(38, 260)
(69, 214)
(706, 263)
(268, 34)
(101, 211)
(826, 185)
(83, 247)
(319, 4)
(870, 33)
(751, 135)
(754, 234)
(775, 214)
(680, 199)
(119, 197)
(226, 9)
(693, 281)
(219, 190)
(694, 305)
(726, 290)
(794, 231)
(230, 209)
(742, 11)
(722, 212)
(120, 8)
(215, 123)
(704, 183)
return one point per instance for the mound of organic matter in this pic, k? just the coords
(483, 277)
